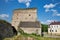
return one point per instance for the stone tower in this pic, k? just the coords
(24, 15)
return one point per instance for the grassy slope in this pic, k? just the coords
(19, 37)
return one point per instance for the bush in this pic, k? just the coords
(35, 34)
(44, 28)
(6, 29)
(20, 31)
(1, 38)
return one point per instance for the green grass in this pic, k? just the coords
(20, 37)
(34, 36)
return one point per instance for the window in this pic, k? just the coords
(54, 26)
(52, 30)
(55, 30)
(29, 15)
(51, 26)
(57, 26)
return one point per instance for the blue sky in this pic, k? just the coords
(47, 10)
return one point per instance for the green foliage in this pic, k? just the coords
(35, 34)
(44, 28)
(1, 38)
(5, 22)
(20, 37)
(20, 31)
(6, 29)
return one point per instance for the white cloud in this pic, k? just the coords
(55, 12)
(42, 22)
(49, 21)
(26, 2)
(6, 0)
(4, 15)
(47, 10)
(58, 14)
(49, 6)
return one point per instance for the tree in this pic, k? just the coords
(44, 28)
(6, 29)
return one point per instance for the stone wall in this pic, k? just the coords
(32, 30)
(23, 15)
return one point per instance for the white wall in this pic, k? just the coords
(54, 28)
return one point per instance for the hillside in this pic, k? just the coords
(30, 37)
(10, 33)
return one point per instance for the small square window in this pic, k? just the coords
(29, 15)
